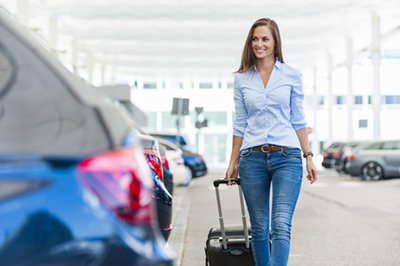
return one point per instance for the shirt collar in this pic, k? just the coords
(278, 64)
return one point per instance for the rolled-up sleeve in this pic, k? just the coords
(297, 117)
(240, 121)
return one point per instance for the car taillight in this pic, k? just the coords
(154, 162)
(351, 157)
(325, 154)
(122, 181)
(179, 160)
(165, 161)
(336, 155)
(201, 157)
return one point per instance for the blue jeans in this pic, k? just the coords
(257, 171)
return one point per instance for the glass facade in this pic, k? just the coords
(152, 120)
(215, 147)
(216, 118)
(169, 121)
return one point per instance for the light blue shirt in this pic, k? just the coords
(271, 114)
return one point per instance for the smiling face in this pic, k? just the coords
(263, 43)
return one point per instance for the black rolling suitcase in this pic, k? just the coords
(229, 245)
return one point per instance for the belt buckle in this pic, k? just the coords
(265, 148)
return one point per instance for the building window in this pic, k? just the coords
(340, 99)
(205, 85)
(321, 100)
(363, 123)
(369, 99)
(230, 85)
(149, 85)
(391, 99)
(321, 146)
(358, 99)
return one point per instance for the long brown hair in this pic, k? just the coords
(248, 57)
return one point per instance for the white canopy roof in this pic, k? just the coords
(204, 39)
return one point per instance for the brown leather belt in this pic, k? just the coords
(269, 148)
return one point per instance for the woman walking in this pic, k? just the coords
(269, 131)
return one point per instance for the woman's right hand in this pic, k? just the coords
(232, 172)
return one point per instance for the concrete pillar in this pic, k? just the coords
(113, 74)
(315, 140)
(350, 96)
(376, 61)
(23, 11)
(329, 99)
(53, 33)
(215, 83)
(74, 57)
(140, 82)
(90, 67)
(102, 73)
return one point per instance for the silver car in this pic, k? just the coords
(375, 161)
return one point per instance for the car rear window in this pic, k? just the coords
(374, 146)
(333, 147)
(391, 145)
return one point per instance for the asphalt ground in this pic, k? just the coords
(339, 220)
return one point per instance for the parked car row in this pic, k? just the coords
(78, 184)
(372, 160)
(193, 162)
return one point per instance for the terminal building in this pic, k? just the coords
(348, 53)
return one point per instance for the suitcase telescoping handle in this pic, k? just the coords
(221, 218)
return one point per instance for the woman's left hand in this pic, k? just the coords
(312, 170)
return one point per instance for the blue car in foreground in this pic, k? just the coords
(75, 188)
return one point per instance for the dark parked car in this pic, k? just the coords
(75, 188)
(331, 154)
(376, 160)
(162, 179)
(344, 154)
(181, 140)
(194, 163)
(167, 174)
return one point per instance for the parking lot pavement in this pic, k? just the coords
(338, 221)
